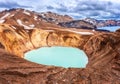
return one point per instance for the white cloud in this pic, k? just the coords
(76, 8)
(114, 1)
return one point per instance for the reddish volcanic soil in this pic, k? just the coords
(102, 49)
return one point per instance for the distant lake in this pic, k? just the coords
(58, 56)
(110, 28)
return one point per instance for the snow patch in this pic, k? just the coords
(27, 30)
(35, 17)
(93, 30)
(50, 30)
(32, 25)
(12, 15)
(43, 15)
(13, 27)
(6, 15)
(25, 12)
(83, 33)
(2, 21)
(25, 26)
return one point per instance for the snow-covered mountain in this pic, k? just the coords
(102, 23)
(25, 18)
(30, 19)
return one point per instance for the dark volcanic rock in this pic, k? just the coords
(78, 24)
(54, 17)
(1, 46)
(118, 30)
(102, 23)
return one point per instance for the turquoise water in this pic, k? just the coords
(58, 56)
(111, 28)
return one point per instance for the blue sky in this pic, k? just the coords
(99, 9)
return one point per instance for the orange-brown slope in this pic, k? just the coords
(18, 41)
(103, 52)
(25, 18)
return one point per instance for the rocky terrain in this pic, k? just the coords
(78, 24)
(19, 40)
(102, 23)
(54, 17)
(24, 18)
(30, 19)
(102, 49)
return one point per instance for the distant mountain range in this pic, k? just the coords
(102, 23)
(30, 19)
(67, 21)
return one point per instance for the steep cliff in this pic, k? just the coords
(18, 41)
(102, 49)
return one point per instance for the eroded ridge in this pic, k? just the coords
(102, 49)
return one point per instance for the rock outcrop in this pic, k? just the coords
(18, 41)
(29, 19)
(102, 49)
(102, 23)
(54, 17)
(25, 18)
(78, 24)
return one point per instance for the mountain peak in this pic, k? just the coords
(54, 17)
(21, 17)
